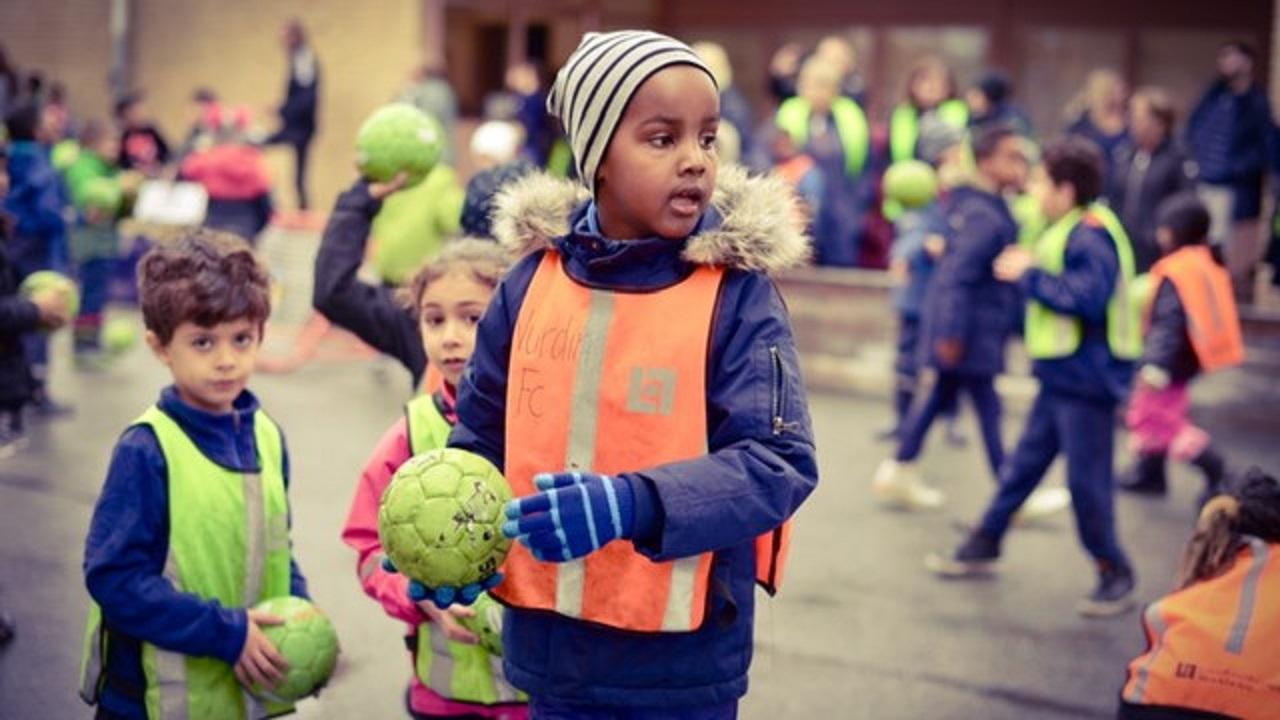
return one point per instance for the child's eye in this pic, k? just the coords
(474, 318)
(660, 141)
(433, 320)
(244, 339)
(709, 141)
(203, 342)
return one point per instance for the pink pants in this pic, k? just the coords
(1157, 422)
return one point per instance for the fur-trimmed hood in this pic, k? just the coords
(760, 229)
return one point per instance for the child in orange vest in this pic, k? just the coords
(636, 379)
(1192, 327)
(448, 296)
(1211, 645)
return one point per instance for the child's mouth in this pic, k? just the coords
(687, 201)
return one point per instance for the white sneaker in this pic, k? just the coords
(898, 484)
(1043, 502)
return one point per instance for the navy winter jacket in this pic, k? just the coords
(1083, 290)
(1167, 345)
(1228, 134)
(757, 471)
(129, 540)
(18, 316)
(965, 301)
(35, 200)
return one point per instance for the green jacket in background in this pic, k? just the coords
(412, 225)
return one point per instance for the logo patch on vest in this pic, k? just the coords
(652, 391)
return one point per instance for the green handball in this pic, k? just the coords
(487, 623)
(104, 195)
(119, 334)
(399, 138)
(42, 280)
(911, 183)
(308, 643)
(441, 518)
(64, 155)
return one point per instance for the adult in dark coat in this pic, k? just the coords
(1228, 134)
(968, 316)
(302, 98)
(1150, 167)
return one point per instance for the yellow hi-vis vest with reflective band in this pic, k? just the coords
(228, 541)
(454, 670)
(904, 126)
(851, 125)
(1051, 335)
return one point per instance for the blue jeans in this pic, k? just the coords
(542, 708)
(1084, 430)
(943, 393)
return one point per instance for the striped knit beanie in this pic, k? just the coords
(593, 88)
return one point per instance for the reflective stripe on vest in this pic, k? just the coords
(428, 428)
(457, 671)
(1050, 334)
(851, 125)
(229, 541)
(1204, 289)
(461, 672)
(608, 382)
(1212, 644)
(904, 125)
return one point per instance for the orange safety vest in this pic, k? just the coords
(794, 170)
(1212, 645)
(611, 382)
(1204, 287)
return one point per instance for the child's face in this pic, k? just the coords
(1056, 200)
(660, 168)
(210, 365)
(450, 309)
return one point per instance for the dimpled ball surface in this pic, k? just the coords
(308, 643)
(119, 334)
(911, 183)
(487, 623)
(104, 195)
(441, 518)
(398, 138)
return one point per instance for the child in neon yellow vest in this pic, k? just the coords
(192, 527)
(453, 676)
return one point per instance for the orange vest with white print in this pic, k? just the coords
(611, 382)
(1213, 644)
(1204, 288)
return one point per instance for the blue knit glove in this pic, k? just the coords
(574, 514)
(445, 595)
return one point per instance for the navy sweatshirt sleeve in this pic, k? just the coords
(370, 311)
(1088, 276)
(18, 315)
(125, 554)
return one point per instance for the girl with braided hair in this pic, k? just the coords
(1212, 650)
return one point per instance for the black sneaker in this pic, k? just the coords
(1146, 477)
(977, 555)
(1113, 595)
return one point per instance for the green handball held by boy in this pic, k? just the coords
(440, 521)
(398, 138)
(308, 643)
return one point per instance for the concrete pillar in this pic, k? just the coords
(433, 20)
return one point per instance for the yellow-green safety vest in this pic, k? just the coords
(457, 671)
(904, 125)
(851, 125)
(228, 541)
(1050, 334)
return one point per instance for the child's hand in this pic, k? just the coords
(260, 663)
(444, 596)
(591, 511)
(447, 620)
(53, 307)
(378, 191)
(1012, 264)
(935, 245)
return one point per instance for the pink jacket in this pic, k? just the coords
(390, 589)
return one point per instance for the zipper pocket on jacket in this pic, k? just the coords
(779, 423)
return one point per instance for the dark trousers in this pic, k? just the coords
(550, 709)
(1084, 431)
(906, 370)
(941, 391)
(301, 144)
(95, 288)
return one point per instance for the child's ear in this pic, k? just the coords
(157, 348)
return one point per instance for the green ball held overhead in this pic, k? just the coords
(911, 183)
(398, 138)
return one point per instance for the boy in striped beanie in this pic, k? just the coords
(636, 379)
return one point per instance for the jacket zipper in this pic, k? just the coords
(780, 425)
